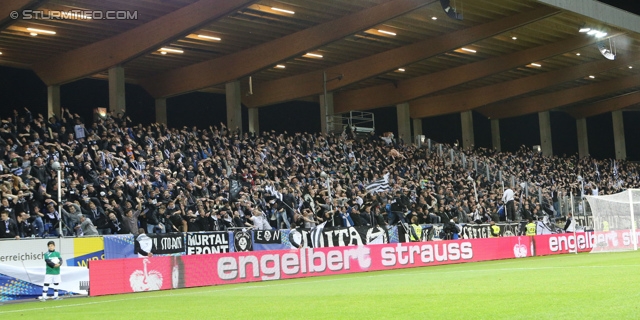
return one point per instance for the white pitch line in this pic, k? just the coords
(269, 284)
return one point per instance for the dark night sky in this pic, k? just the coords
(20, 88)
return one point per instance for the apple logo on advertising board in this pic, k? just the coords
(145, 281)
(520, 250)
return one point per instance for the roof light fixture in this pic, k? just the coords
(401, 70)
(209, 37)
(33, 34)
(584, 29)
(280, 66)
(578, 54)
(592, 77)
(592, 32)
(38, 31)
(314, 55)
(171, 50)
(514, 38)
(468, 50)
(601, 34)
(282, 10)
(434, 18)
(536, 65)
(387, 32)
(163, 52)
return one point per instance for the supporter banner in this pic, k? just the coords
(332, 237)
(119, 246)
(267, 236)
(432, 232)
(510, 229)
(268, 240)
(475, 231)
(167, 243)
(207, 242)
(242, 241)
(159, 273)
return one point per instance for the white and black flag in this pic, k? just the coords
(242, 241)
(316, 235)
(379, 185)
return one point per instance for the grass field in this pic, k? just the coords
(584, 286)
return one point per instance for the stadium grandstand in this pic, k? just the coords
(104, 174)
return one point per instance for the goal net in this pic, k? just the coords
(615, 219)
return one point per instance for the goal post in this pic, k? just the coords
(615, 219)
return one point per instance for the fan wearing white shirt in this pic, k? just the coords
(507, 198)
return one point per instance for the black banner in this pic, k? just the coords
(167, 243)
(242, 241)
(434, 232)
(430, 232)
(207, 242)
(267, 236)
(475, 231)
(334, 237)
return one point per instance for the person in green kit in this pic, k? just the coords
(52, 276)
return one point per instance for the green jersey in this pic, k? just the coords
(56, 259)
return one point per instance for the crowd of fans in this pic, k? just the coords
(117, 177)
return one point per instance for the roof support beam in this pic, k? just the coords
(548, 101)
(308, 84)
(243, 63)
(604, 106)
(478, 97)
(128, 45)
(8, 6)
(382, 95)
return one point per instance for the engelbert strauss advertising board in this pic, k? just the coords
(22, 265)
(160, 273)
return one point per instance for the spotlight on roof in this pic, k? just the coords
(451, 12)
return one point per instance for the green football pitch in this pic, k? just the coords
(584, 286)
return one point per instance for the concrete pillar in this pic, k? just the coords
(53, 101)
(254, 120)
(618, 135)
(417, 128)
(326, 113)
(404, 122)
(161, 111)
(234, 106)
(468, 138)
(116, 90)
(583, 139)
(544, 122)
(495, 135)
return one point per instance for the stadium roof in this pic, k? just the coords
(505, 58)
